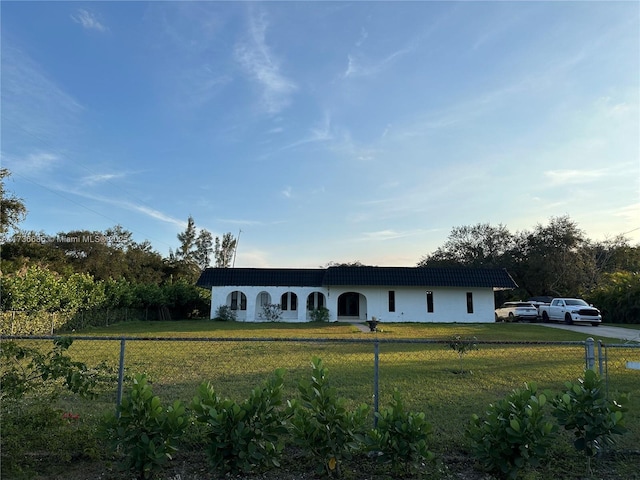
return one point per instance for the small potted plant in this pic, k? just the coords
(373, 324)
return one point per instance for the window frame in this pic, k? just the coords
(392, 301)
(429, 301)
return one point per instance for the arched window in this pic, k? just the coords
(289, 301)
(238, 300)
(315, 300)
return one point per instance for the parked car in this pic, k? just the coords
(516, 312)
(570, 310)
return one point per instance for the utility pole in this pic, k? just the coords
(233, 264)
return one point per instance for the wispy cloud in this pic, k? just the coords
(572, 177)
(241, 222)
(255, 56)
(287, 192)
(631, 213)
(88, 20)
(389, 234)
(32, 103)
(150, 212)
(100, 178)
(39, 162)
(320, 132)
(112, 200)
(359, 67)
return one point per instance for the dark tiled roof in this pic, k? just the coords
(358, 276)
(269, 277)
(419, 277)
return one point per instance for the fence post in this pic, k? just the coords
(376, 378)
(53, 319)
(590, 356)
(600, 359)
(606, 369)
(120, 377)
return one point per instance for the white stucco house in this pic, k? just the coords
(392, 294)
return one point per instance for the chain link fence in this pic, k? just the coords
(15, 322)
(431, 376)
(619, 364)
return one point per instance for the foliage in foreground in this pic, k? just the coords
(514, 432)
(145, 433)
(594, 419)
(244, 436)
(400, 437)
(35, 433)
(24, 369)
(31, 382)
(322, 425)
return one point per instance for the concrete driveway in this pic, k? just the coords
(617, 333)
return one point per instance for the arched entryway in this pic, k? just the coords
(352, 305)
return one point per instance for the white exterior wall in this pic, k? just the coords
(449, 304)
(219, 296)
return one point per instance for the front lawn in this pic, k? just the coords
(436, 331)
(429, 374)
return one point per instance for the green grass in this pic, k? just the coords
(427, 374)
(442, 331)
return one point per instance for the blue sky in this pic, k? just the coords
(325, 131)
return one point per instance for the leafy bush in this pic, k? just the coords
(271, 312)
(144, 432)
(24, 369)
(225, 314)
(31, 382)
(322, 425)
(462, 346)
(513, 433)
(594, 419)
(320, 314)
(243, 436)
(617, 295)
(400, 437)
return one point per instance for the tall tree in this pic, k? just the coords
(480, 245)
(558, 260)
(185, 251)
(204, 248)
(12, 209)
(224, 250)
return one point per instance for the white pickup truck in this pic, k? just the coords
(569, 311)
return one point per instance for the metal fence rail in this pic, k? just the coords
(371, 368)
(619, 364)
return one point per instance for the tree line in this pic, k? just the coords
(552, 260)
(107, 269)
(81, 270)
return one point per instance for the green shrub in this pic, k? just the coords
(271, 312)
(25, 369)
(594, 419)
(514, 432)
(225, 314)
(322, 425)
(462, 346)
(246, 436)
(319, 314)
(144, 432)
(400, 437)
